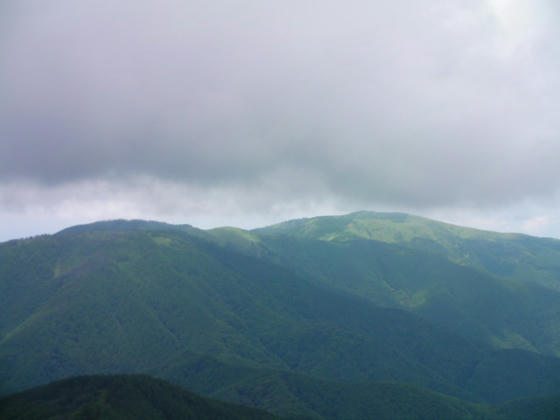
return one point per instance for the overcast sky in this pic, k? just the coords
(248, 113)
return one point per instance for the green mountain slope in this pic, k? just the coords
(454, 276)
(500, 376)
(122, 397)
(284, 314)
(539, 408)
(513, 256)
(500, 312)
(288, 393)
(121, 301)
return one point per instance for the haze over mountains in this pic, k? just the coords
(311, 317)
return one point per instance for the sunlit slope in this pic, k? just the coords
(513, 256)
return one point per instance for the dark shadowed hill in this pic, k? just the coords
(121, 397)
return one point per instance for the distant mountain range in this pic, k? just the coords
(326, 317)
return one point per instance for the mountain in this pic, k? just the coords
(119, 397)
(488, 286)
(513, 256)
(106, 301)
(301, 318)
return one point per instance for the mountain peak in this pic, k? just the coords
(123, 225)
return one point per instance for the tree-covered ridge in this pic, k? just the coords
(291, 394)
(119, 397)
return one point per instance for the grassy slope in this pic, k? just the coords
(513, 256)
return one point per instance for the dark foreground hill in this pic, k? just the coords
(138, 397)
(122, 397)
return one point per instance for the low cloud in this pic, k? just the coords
(293, 105)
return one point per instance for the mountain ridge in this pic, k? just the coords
(298, 308)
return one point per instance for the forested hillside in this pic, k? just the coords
(310, 317)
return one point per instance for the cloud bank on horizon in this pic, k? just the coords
(246, 112)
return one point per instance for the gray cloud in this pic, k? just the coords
(360, 103)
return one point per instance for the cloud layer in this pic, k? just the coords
(420, 105)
